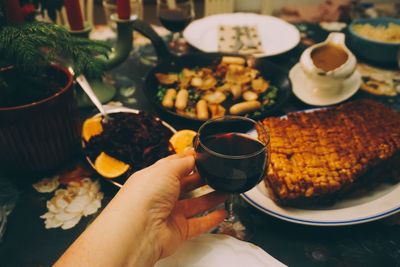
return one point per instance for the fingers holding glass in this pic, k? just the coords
(194, 206)
(191, 182)
(206, 223)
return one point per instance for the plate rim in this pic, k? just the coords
(259, 16)
(278, 215)
(135, 111)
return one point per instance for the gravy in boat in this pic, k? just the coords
(329, 57)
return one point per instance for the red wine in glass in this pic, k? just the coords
(175, 20)
(232, 155)
(237, 164)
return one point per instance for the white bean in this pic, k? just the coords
(168, 100)
(202, 110)
(233, 60)
(182, 99)
(244, 107)
(249, 96)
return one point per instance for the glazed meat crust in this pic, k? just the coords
(319, 156)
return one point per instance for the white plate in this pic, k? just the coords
(364, 207)
(277, 36)
(301, 87)
(219, 250)
(374, 205)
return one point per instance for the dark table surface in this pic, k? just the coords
(27, 243)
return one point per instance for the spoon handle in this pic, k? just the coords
(89, 92)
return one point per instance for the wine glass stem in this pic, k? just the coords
(231, 217)
(176, 36)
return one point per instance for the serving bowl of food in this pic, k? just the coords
(129, 141)
(376, 40)
(228, 86)
(198, 86)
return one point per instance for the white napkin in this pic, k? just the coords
(212, 250)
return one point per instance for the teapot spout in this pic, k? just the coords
(336, 38)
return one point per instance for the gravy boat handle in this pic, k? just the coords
(336, 38)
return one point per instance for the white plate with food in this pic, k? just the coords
(364, 190)
(276, 36)
(380, 203)
(212, 250)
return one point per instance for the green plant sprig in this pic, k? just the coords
(31, 47)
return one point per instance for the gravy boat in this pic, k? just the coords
(328, 83)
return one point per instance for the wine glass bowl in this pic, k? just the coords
(232, 155)
(229, 155)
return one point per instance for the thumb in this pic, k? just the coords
(181, 167)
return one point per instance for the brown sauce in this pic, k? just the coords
(329, 57)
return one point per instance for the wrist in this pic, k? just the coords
(144, 251)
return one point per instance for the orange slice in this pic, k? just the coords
(182, 140)
(110, 167)
(91, 127)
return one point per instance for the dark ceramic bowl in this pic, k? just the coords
(41, 136)
(377, 52)
(268, 70)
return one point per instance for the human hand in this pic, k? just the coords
(147, 220)
(171, 219)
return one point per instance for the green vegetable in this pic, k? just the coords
(268, 98)
(270, 93)
(194, 96)
(161, 92)
(32, 47)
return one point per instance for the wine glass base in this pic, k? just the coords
(179, 46)
(235, 229)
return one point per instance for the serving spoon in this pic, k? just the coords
(82, 81)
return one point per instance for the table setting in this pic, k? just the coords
(294, 114)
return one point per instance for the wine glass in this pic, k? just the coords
(232, 155)
(175, 15)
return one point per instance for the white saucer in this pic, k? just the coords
(301, 88)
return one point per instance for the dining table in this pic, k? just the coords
(26, 241)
